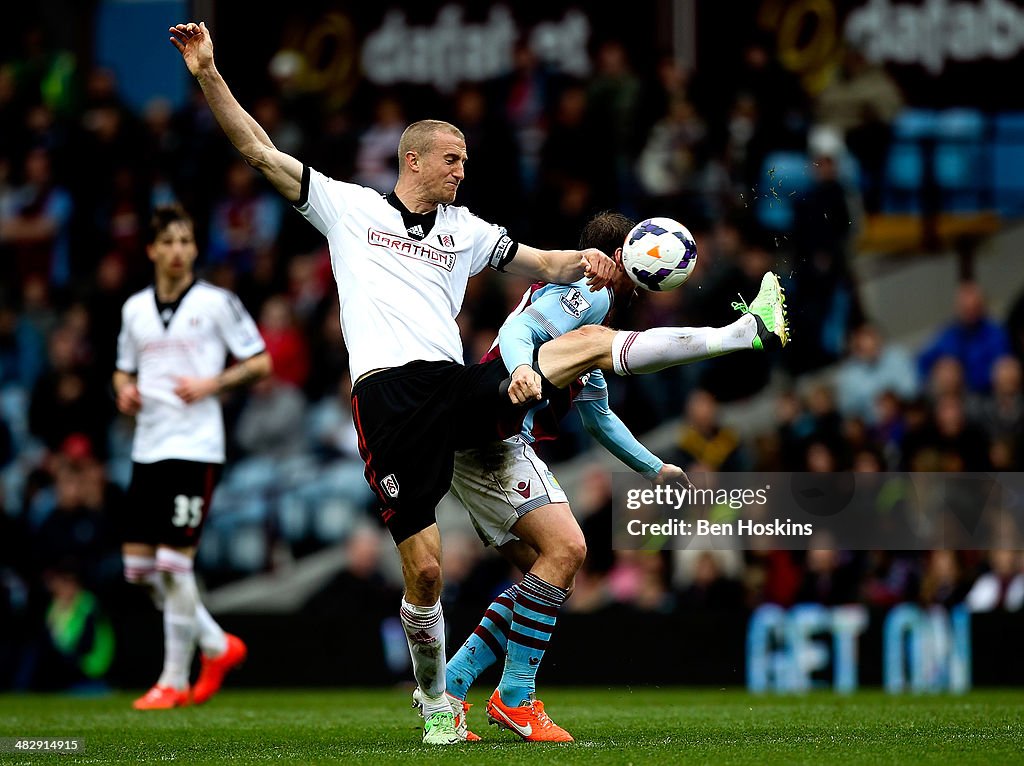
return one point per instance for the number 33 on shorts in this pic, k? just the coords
(188, 511)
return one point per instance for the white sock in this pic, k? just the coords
(212, 640)
(180, 624)
(635, 353)
(424, 630)
(141, 570)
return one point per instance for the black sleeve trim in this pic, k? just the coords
(304, 188)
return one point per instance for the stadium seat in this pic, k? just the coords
(1009, 126)
(247, 549)
(960, 125)
(253, 474)
(914, 124)
(785, 176)
(235, 519)
(1006, 160)
(905, 165)
(904, 174)
(210, 555)
(292, 514)
(334, 520)
(959, 159)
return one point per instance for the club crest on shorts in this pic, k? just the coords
(553, 480)
(523, 489)
(574, 304)
(390, 485)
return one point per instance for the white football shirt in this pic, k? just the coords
(192, 339)
(399, 295)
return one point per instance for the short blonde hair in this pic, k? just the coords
(420, 136)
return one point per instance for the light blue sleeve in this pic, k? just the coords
(557, 310)
(610, 432)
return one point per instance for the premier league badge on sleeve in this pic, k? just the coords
(574, 304)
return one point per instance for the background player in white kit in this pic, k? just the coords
(175, 336)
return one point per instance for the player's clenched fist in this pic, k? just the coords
(599, 269)
(129, 401)
(525, 385)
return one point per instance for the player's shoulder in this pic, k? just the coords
(337, 186)
(578, 296)
(136, 299)
(212, 294)
(460, 215)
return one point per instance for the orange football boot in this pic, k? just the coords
(161, 698)
(213, 670)
(528, 721)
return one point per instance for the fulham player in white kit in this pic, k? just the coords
(175, 337)
(401, 262)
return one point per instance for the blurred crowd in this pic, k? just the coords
(79, 172)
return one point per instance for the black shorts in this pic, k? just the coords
(168, 502)
(411, 420)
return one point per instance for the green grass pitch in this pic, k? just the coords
(619, 725)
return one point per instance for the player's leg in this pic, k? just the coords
(219, 653)
(138, 529)
(402, 421)
(139, 561)
(554, 533)
(147, 511)
(487, 643)
(496, 485)
(181, 597)
(180, 492)
(763, 323)
(423, 621)
(517, 506)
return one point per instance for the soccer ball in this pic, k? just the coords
(659, 254)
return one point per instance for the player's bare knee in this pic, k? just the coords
(567, 357)
(575, 553)
(426, 574)
(568, 556)
(591, 341)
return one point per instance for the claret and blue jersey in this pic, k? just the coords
(546, 312)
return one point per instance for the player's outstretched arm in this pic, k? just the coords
(283, 171)
(563, 267)
(612, 434)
